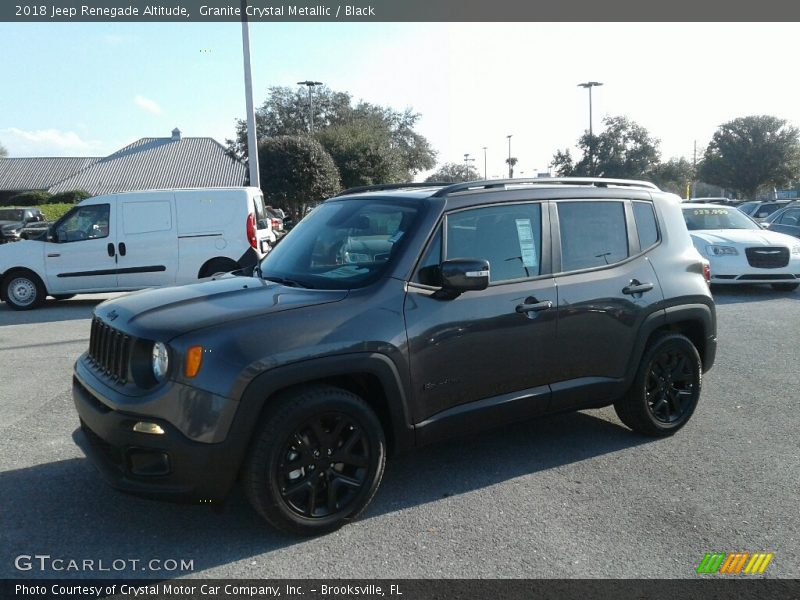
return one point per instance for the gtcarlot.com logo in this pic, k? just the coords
(734, 563)
(45, 563)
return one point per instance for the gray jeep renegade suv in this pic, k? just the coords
(391, 317)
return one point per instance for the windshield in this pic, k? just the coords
(10, 215)
(717, 218)
(342, 244)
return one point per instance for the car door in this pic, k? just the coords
(788, 222)
(606, 288)
(486, 344)
(147, 240)
(79, 255)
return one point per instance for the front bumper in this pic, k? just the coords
(170, 466)
(737, 270)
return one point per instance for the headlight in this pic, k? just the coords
(714, 250)
(160, 361)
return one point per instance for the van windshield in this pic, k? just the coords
(342, 244)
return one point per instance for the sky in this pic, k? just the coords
(88, 89)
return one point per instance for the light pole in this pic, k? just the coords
(467, 160)
(589, 85)
(252, 144)
(484, 163)
(310, 84)
(510, 170)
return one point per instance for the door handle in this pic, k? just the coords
(53, 255)
(110, 248)
(122, 249)
(534, 306)
(635, 287)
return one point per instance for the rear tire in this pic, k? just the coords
(217, 265)
(316, 462)
(784, 287)
(23, 290)
(666, 389)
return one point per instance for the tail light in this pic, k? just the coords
(707, 273)
(251, 230)
(276, 223)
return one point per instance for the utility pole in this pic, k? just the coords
(310, 84)
(589, 85)
(252, 139)
(694, 172)
(484, 163)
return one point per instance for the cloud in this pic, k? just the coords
(48, 142)
(146, 104)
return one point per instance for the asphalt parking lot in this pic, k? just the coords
(574, 495)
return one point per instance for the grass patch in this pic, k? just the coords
(52, 212)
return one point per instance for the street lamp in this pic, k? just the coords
(589, 85)
(484, 163)
(510, 169)
(310, 84)
(467, 160)
(252, 138)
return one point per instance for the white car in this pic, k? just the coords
(739, 250)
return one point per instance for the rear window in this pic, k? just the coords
(593, 234)
(261, 212)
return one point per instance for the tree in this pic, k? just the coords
(453, 173)
(286, 112)
(296, 171)
(363, 154)
(3, 151)
(674, 176)
(511, 161)
(751, 152)
(623, 150)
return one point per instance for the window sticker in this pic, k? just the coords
(527, 247)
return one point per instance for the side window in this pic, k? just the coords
(508, 236)
(593, 234)
(85, 223)
(791, 217)
(428, 270)
(645, 224)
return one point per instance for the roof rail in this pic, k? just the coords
(380, 187)
(505, 183)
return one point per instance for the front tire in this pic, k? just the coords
(666, 389)
(784, 287)
(316, 462)
(23, 290)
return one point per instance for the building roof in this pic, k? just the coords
(23, 174)
(149, 163)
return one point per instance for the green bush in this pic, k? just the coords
(70, 197)
(52, 212)
(32, 198)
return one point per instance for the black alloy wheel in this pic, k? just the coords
(666, 389)
(323, 466)
(316, 461)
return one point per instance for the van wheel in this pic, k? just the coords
(217, 265)
(784, 287)
(23, 290)
(316, 462)
(666, 389)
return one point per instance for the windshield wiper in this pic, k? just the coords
(287, 282)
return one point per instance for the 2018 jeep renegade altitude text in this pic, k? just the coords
(391, 317)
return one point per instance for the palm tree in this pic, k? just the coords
(511, 162)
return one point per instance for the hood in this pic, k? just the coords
(12, 223)
(743, 237)
(164, 313)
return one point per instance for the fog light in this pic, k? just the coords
(147, 463)
(151, 428)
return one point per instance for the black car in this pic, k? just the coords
(786, 220)
(392, 317)
(14, 219)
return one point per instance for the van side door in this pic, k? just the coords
(147, 240)
(80, 251)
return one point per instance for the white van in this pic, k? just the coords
(135, 240)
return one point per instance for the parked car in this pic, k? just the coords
(393, 318)
(739, 250)
(714, 200)
(14, 219)
(786, 220)
(35, 229)
(759, 210)
(136, 240)
(276, 219)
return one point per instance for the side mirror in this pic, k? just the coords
(464, 275)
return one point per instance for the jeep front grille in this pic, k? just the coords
(110, 350)
(767, 257)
